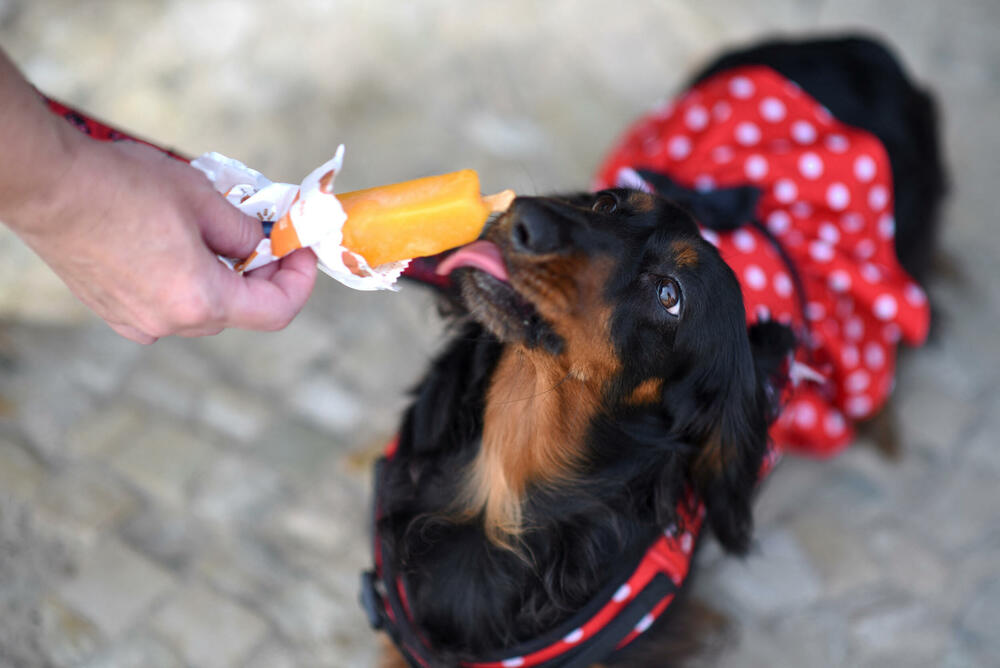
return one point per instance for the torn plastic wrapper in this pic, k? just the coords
(304, 216)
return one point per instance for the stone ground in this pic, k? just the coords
(203, 502)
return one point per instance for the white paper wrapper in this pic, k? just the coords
(313, 210)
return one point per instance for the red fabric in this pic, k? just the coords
(98, 130)
(827, 198)
(670, 555)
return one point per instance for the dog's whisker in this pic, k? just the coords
(542, 393)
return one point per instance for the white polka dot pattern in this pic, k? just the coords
(747, 134)
(915, 295)
(854, 328)
(811, 166)
(858, 406)
(815, 311)
(827, 199)
(801, 209)
(829, 233)
(834, 425)
(755, 167)
(741, 87)
(785, 191)
(744, 241)
(852, 222)
(821, 251)
(864, 168)
(887, 226)
(696, 118)
(839, 280)
(886, 307)
(837, 143)
(857, 381)
(722, 154)
(783, 285)
(805, 415)
(772, 109)
(679, 147)
(755, 277)
(878, 197)
(803, 132)
(779, 221)
(838, 196)
(874, 355)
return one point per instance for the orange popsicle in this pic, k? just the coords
(417, 218)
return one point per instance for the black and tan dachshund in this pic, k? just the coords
(601, 369)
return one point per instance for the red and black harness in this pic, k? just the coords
(625, 607)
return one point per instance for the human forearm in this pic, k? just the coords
(39, 151)
(133, 233)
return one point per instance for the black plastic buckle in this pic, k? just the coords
(371, 601)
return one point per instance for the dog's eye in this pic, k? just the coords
(669, 292)
(605, 203)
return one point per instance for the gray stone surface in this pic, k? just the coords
(204, 502)
(113, 587)
(207, 629)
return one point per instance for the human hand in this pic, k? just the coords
(135, 234)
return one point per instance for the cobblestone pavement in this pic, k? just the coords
(203, 502)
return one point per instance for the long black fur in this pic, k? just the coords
(470, 596)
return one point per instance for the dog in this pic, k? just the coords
(618, 377)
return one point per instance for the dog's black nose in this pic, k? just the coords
(536, 228)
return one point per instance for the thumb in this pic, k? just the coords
(227, 230)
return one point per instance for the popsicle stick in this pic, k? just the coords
(500, 202)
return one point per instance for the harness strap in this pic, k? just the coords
(624, 609)
(99, 130)
(622, 626)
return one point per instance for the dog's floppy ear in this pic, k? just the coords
(727, 466)
(721, 408)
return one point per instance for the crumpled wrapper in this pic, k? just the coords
(310, 207)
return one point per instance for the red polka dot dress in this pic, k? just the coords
(826, 198)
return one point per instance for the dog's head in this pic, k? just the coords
(619, 291)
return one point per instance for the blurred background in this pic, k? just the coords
(204, 502)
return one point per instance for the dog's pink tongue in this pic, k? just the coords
(483, 255)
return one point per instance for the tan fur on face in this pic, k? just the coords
(642, 202)
(685, 255)
(711, 460)
(538, 406)
(647, 392)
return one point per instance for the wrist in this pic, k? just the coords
(39, 150)
(50, 178)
